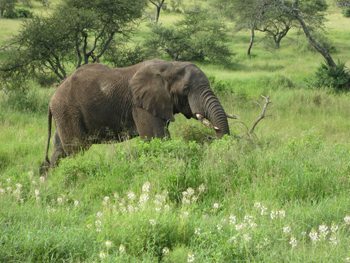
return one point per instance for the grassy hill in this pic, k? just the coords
(281, 197)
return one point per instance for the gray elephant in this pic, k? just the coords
(97, 104)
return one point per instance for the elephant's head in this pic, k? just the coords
(165, 88)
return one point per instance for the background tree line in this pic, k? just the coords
(78, 32)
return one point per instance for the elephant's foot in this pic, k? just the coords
(44, 168)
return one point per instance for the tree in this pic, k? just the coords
(270, 17)
(7, 8)
(158, 4)
(276, 24)
(197, 37)
(78, 32)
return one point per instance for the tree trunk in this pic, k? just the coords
(158, 13)
(252, 38)
(324, 52)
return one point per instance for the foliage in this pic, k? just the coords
(78, 32)
(122, 54)
(337, 78)
(346, 12)
(7, 8)
(196, 37)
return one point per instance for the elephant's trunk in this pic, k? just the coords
(206, 104)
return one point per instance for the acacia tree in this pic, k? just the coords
(158, 4)
(78, 32)
(7, 7)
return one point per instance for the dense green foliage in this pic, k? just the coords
(337, 78)
(198, 37)
(280, 197)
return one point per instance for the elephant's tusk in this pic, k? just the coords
(199, 116)
(206, 122)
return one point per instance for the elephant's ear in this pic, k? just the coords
(150, 91)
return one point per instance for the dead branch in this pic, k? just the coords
(232, 116)
(262, 114)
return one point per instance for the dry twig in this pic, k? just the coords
(262, 114)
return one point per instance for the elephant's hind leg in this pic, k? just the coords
(58, 151)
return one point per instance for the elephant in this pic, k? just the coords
(98, 104)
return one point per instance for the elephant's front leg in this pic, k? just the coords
(149, 126)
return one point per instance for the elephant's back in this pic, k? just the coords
(96, 95)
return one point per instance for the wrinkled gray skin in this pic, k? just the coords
(98, 104)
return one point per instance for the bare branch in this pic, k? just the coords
(231, 116)
(262, 114)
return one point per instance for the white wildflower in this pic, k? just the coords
(165, 251)
(216, 206)
(121, 248)
(36, 192)
(131, 195)
(232, 219)
(42, 179)
(313, 236)
(99, 214)
(293, 242)
(246, 237)
(201, 188)
(108, 244)
(102, 255)
(347, 219)
(197, 231)
(219, 227)
(190, 191)
(273, 214)
(105, 200)
(143, 199)
(166, 207)
(190, 258)
(233, 240)
(334, 228)
(240, 226)
(185, 214)
(333, 240)
(98, 225)
(153, 222)
(281, 213)
(347, 259)
(130, 209)
(18, 186)
(30, 174)
(8, 180)
(146, 187)
(286, 229)
(59, 200)
(257, 205)
(323, 231)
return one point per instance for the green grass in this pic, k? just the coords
(222, 201)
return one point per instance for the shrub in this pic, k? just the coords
(197, 37)
(337, 78)
(346, 12)
(124, 55)
(27, 100)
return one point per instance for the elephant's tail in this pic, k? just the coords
(49, 119)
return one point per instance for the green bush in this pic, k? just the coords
(27, 100)
(337, 78)
(198, 37)
(346, 12)
(124, 55)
